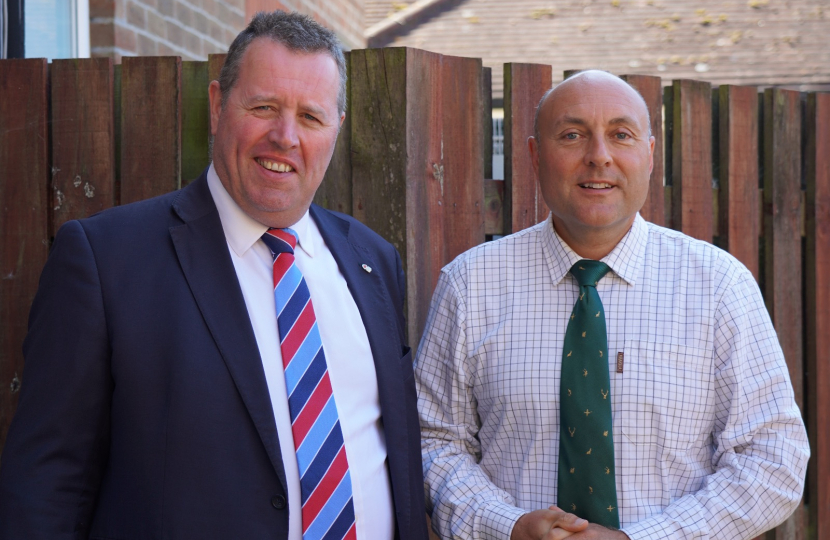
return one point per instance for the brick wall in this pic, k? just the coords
(191, 29)
(345, 17)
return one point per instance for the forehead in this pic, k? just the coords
(603, 98)
(268, 66)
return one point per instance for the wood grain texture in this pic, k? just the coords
(396, 129)
(83, 143)
(335, 192)
(493, 207)
(195, 119)
(739, 219)
(652, 91)
(24, 239)
(524, 86)
(692, 159)
(782, 246)
(462, 154)
(817, 298)
(487, 120)
(668, 145)
(151, 121)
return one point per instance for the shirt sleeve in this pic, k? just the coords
(461, 499)
(760, 446)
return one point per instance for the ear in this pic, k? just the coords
(533, 147)
(215, 97)
(650, 154)
(342, 118)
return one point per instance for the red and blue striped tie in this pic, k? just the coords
(325, 484)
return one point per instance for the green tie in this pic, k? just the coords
(587, 485)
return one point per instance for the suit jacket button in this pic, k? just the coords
(278, 502)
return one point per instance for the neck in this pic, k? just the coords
(591, 244)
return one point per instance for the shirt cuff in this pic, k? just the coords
(498, 519)
(655, 527)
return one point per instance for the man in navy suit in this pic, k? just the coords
(154, 402)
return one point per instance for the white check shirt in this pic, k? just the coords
(708, 441)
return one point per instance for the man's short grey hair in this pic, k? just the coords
(550, 90)
(298, 33)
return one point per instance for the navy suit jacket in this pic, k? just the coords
(144, 411)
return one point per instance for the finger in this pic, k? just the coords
(554, 507)
(570, 522)
(557, 533)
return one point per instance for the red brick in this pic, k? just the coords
(167, 7)
(125, 39)
(101, 34)
(155, 24)
(101, 8)
(175, 34)
(147, 46)
(136, 15)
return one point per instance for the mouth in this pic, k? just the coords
(595, 185)
(275, 166)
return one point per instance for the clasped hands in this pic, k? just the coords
(556, 524)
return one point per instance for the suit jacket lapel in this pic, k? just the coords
(206, 263)
(377, 312)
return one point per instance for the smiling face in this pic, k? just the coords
(275, 135)
(593, 160)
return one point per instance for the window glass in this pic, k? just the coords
(51, 29)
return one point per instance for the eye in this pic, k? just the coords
(262, 108)
(571, 136)
(622, 136)
(310, 117)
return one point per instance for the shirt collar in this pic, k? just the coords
(625, 259)
(241, 230)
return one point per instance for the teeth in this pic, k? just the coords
(275, 166)
(594, 185)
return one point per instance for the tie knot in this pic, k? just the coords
(280, 240)
(588, 272)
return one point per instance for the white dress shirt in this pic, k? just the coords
(348, 356)
(708, 441)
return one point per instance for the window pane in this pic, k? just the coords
(49, 28)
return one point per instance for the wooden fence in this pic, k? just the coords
(749, 171)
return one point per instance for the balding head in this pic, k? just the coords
(590, 77)
(592, 155)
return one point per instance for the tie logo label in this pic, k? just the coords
(619, 362)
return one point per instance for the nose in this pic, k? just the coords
(597, 153)
(283, 133)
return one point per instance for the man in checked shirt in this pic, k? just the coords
(705, 438)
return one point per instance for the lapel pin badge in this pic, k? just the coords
(367, 268)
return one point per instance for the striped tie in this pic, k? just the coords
(325, 484)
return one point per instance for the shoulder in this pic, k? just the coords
(676, 252)
(514, 250)
(355, 232)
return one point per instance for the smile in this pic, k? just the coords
(596, 185)
(275, 166)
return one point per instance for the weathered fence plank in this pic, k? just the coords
(692, 158)
(83, 146)
(782, 235)
(335, 193)
(24, 239)
(195, 120)
(652, 91)
(817, 283)
(739, 220)
(396, 113)
(524, 86)
(151, 120)
(462, 155)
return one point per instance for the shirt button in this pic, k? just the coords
(278, 502)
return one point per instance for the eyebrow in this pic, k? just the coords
(627, 120)
(313, 109)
